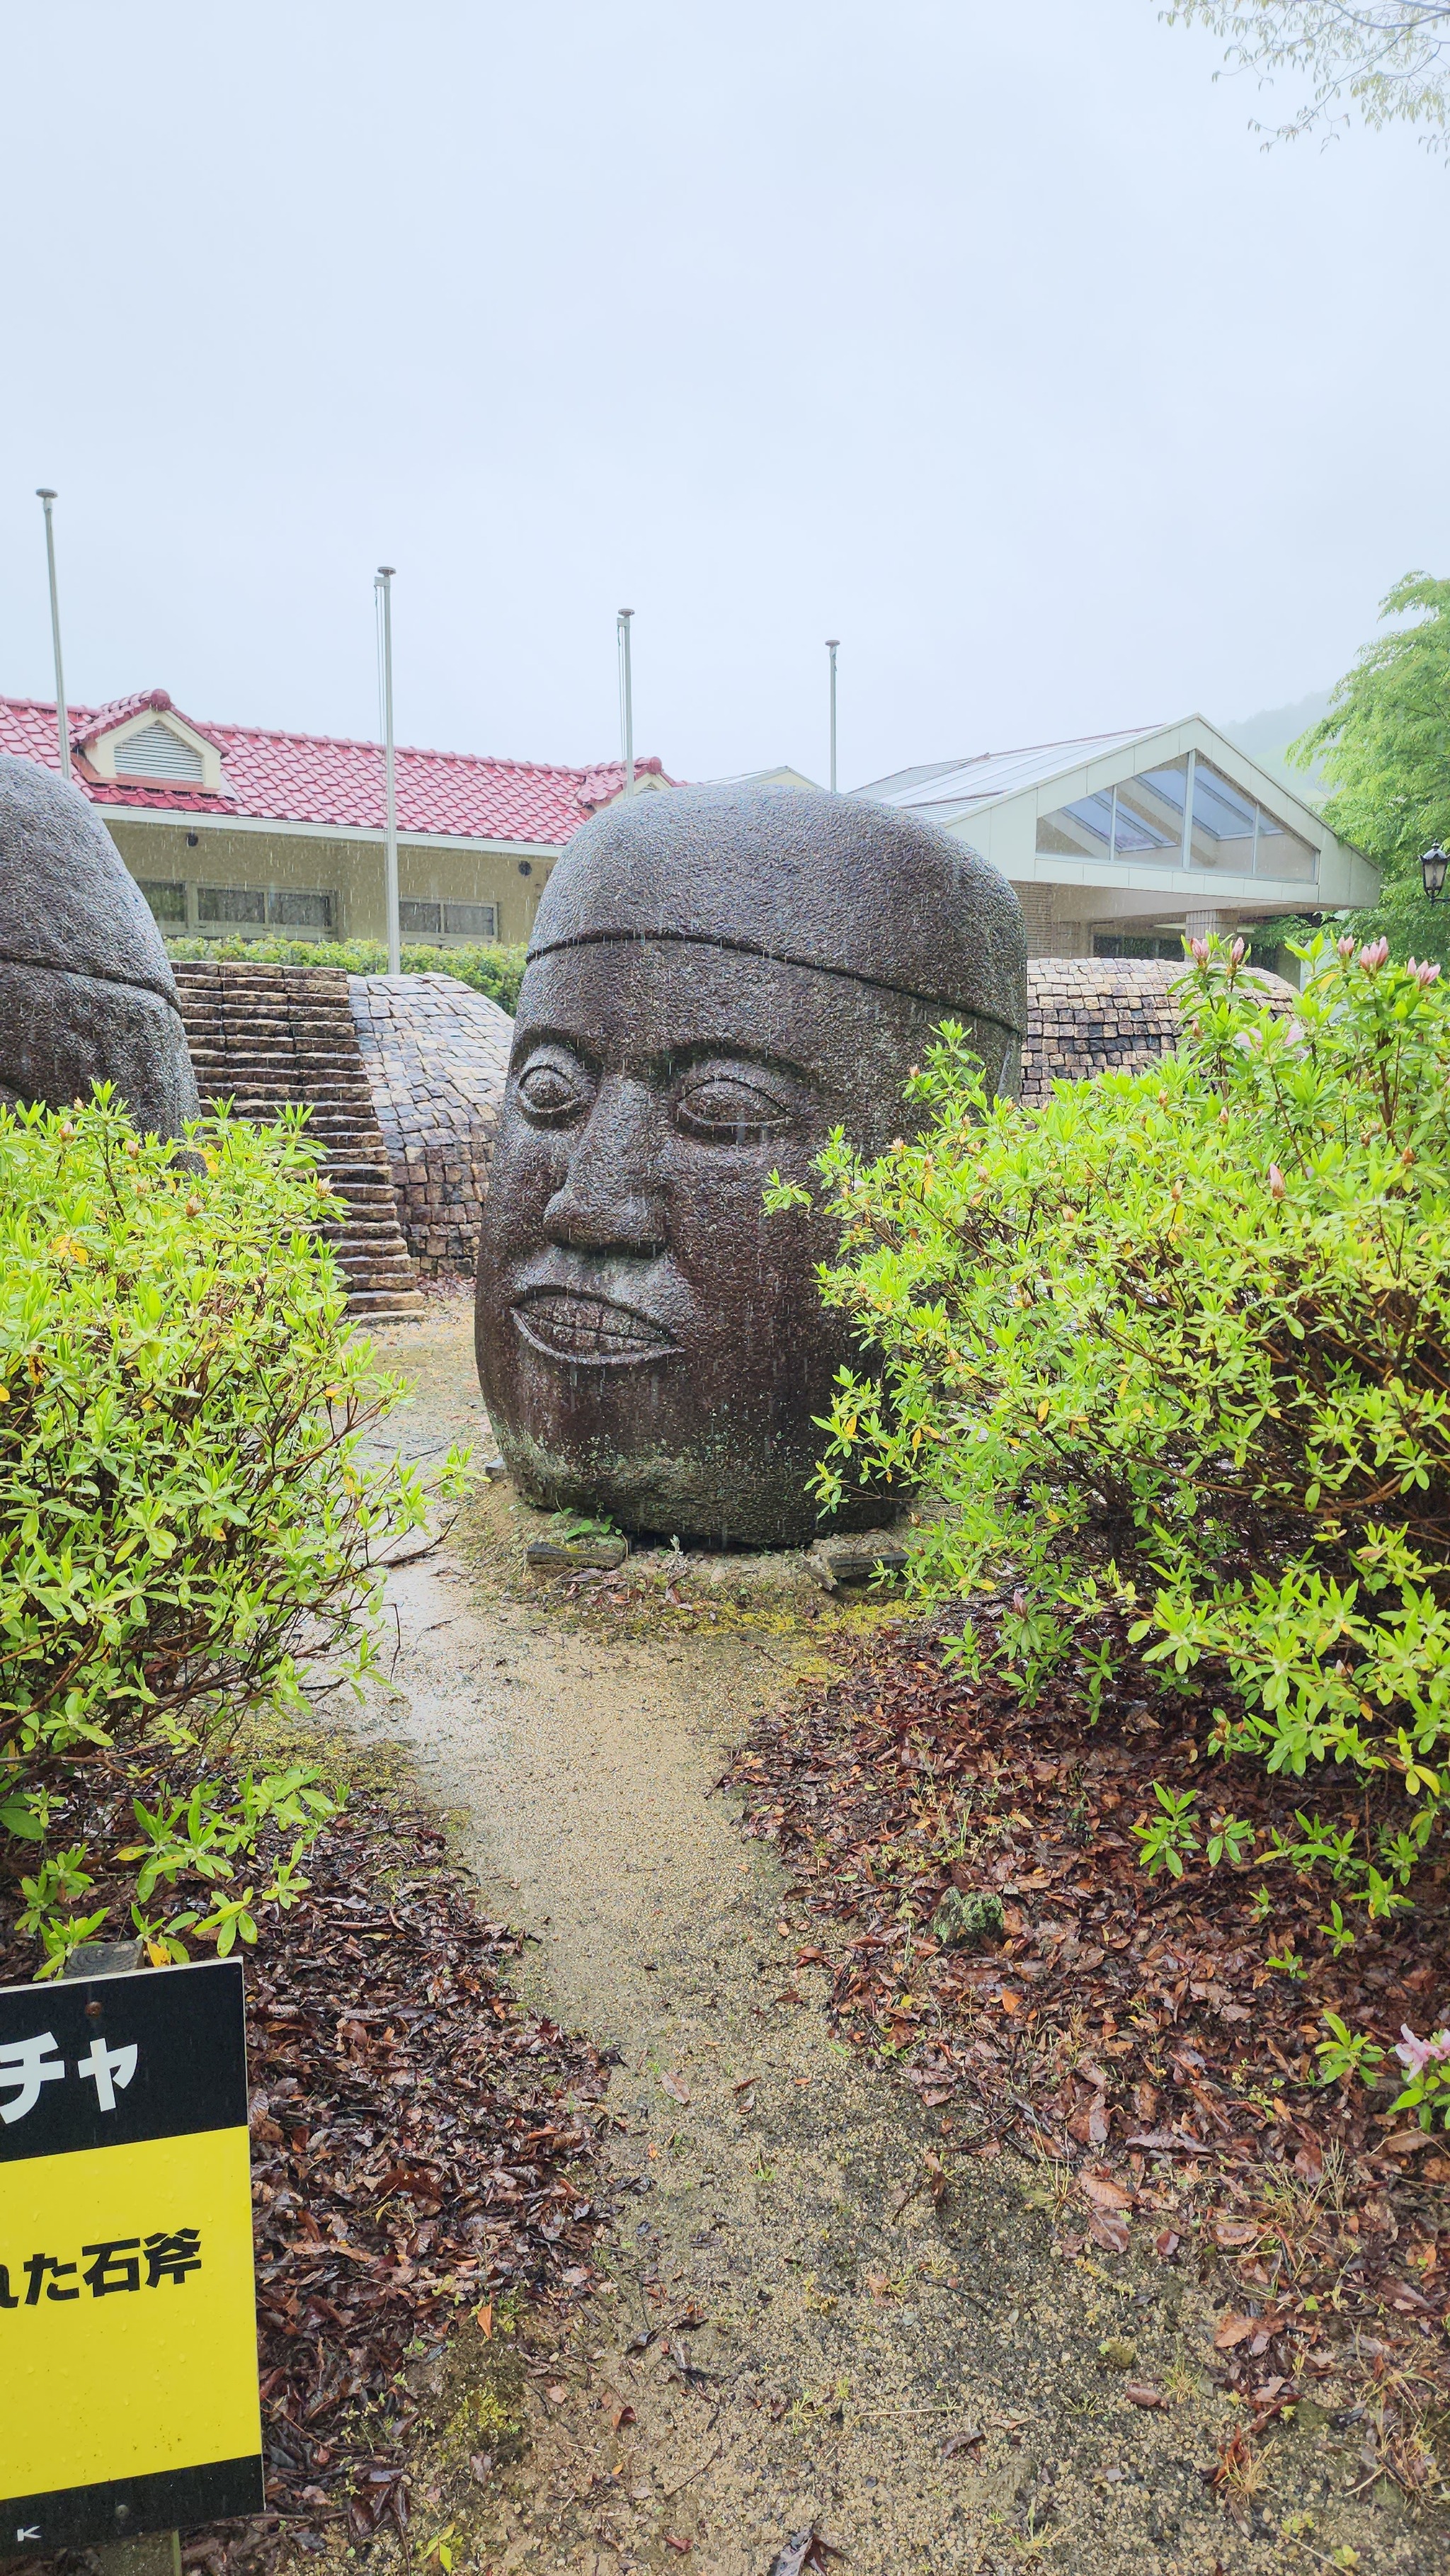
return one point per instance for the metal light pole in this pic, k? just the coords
(833, 646)
(62, 719)
(626, 697)
(384, 585)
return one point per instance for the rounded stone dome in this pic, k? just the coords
(86, 989)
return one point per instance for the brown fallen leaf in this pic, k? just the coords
(677, 2089)
(805, 2549)
(1166, 2244)
(878, 2285)
(1160, 2142)
(622, 2415)
(967, 2440)
(1234, 2329)
(673, 2542)
(1103, 2192)
(1141, 2392)
(1233, 2231)
(556, 2393)
(1109, 2232)
(485, 2322)
(1011, 2001)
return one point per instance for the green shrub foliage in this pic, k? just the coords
(188, 1522)
(494, 970)
(1180, 1341)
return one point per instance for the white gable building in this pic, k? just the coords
(1121, 843)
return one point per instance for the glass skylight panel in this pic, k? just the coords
(1222, 835)
(1281, 853)
(1148, 822)
(1080, 831)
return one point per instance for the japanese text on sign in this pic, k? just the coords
(26, 2064)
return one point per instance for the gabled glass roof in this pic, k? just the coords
(964, 783)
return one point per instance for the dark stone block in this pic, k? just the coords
(86, 990)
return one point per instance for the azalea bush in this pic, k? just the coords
(189, 1524)
(1177, 1345)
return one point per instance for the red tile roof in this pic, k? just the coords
(88, 724)
(317, 778)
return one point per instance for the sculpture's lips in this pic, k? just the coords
(571, 1324)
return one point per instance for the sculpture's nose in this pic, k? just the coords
(610, 1200)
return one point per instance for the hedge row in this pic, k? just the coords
(494, 970)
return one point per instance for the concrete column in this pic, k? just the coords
(1201, 924)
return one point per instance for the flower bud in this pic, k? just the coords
(1277, 1184)
(1236, 953)
(1198, 951)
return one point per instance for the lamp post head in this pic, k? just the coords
(43, 492)
(1433, 865)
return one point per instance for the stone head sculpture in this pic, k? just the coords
(86, 992)
(717, 978)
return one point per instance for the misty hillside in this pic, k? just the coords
(1266, 737)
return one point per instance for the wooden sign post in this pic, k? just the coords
(128, 2341)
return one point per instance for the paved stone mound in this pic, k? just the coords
(264, 1036)
(1088, 1015)
(436, 1055)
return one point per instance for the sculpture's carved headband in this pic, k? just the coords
(830, 883)
(772, 956)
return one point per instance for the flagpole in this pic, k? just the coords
(62, 718)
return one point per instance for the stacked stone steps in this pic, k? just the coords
(266, 1037)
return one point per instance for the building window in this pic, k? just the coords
(1184, 814)
(156, 752)
(299, 911)
(255, 907)
(448, 920)
(1081, 831)
(1107, 943)
(1148, 815)
(1223, 823)
(168, 902)
(231, 904)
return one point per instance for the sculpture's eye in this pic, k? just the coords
(551, 1089)
(727, 1106)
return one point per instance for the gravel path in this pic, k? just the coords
(795, 2333)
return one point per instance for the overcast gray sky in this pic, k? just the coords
(986, 338)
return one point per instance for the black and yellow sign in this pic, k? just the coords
(128, 2342)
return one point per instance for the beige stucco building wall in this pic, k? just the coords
(193, 853)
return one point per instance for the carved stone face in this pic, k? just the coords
(650, 1342)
